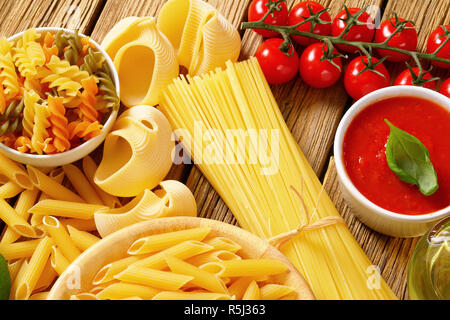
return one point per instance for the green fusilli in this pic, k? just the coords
(11, 120)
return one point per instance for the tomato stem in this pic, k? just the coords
(351, 20)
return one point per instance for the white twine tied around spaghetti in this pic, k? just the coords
(281, 239)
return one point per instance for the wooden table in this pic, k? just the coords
(312, 115)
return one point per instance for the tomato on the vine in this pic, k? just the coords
(360, 33)
(277, 66)
(319, 73)
(406, 78)
(445, 88)
(435, 40)
(406, 39)
(359, 84)
(300, 12)
(259, 8)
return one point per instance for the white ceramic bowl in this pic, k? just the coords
(375, 217)
(82, 150)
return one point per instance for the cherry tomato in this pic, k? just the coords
(317, 73)
(257, 11)
(299, 12)
(362, 33)
(276, 65)
(358, 85)
(405, 78)
(445, 88)
(406, 39)
(435, 39)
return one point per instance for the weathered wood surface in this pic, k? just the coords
(312, 115)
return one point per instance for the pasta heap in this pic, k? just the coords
(54, 91)
(52, 215)
(189, 264)
(274, 204)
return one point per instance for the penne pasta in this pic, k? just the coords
(238, 287)
(81, 184)
(47, 277)
(51, 187)
(222, 243)
(57, 175)
(171, 295)
(252, 292)
(57, 260)
(247, 267)
(108, 272)
(34, 269)
(183, 250)
(14, 267)
(61, 238)
(14, 172)
(66, 209)
(153, 278)
(18, 250)
(18, 280)
(84, 296)
(201, 278)
(273, 291)
(24, 203)
(82, 239)
(80, 224)
(89, 168)
(163, 241)
(117, 291)
(15, 221)
(40, 295)
(10, 190)
(219, 255)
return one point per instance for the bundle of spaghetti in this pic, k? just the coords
(268, 203)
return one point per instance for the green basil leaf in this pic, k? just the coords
(5, 279)
(409, 159)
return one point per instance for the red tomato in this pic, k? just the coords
(257, 10)
(405, 78)
(317, 73)
(445, 88)
(276, 65)
(358, 85)
(362, 33)
(299, 12)
(406, 40)
(435, 39)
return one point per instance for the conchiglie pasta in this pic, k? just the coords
(137, 153)
(201, 36)
(172, 199)
(144, 58)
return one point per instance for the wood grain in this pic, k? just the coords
(18, 16)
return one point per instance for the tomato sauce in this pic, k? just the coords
(364, 153)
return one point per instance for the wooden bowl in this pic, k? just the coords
(79, 276)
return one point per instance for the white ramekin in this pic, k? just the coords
(82, 150)
(375, 217)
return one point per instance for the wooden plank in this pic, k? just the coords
(18, 16)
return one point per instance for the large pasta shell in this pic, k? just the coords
(201, 36)
(172, 199)
(137, 154)
(145, 60)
